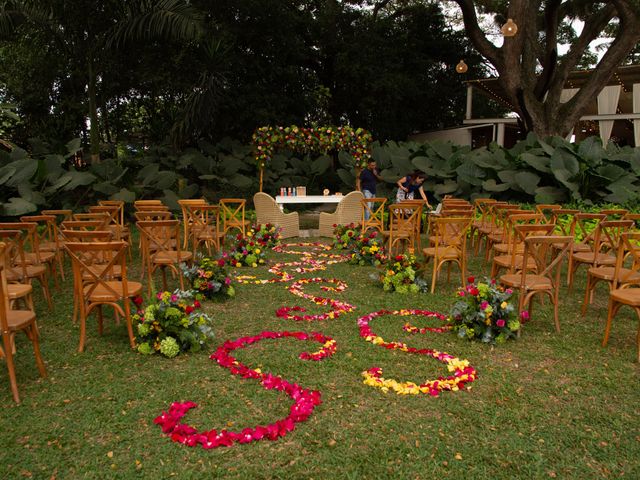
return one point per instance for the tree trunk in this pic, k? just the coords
(94, 133)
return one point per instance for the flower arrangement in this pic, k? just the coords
(400, 274)
(344, 236)
(251, 249)
(356, 142)
(172, 325)
(209, 278)
(367, 250)
(485, 311)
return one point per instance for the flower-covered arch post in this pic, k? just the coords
(356, 142)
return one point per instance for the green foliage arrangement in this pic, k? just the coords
(171, 325)
(485, 311)
(400, 274)
(251, 250)
(344, 236)
(367, 250)
(209, 279)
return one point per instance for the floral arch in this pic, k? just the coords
(356, 142)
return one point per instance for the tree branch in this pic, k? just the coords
(551, 21)
(477, 37)
(592, 28)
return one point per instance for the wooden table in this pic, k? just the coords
(299, 199)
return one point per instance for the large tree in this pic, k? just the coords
(531, 71)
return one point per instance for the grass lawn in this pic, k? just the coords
(546, 405)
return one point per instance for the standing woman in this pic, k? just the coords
(409, 185)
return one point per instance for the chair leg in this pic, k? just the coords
(127, 314)
(11, 367)
(588, 294)
(33, 335)
(83, 324)
(611, 312)
(45, 290)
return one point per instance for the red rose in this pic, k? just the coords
(137, 300)
(196, 304)
(471, 279)
(188, 309)
(399, 258)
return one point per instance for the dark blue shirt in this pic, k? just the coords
(412, 187)
(368, 180)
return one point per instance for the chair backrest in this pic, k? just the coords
(537, 248)
(514, 219)
(482, 207)
(451, 232)
(628, 247)
(30, 239)
(584, 227)
(350, 207)
(163, 235)
(524, 231)
(152, 208)
(87, 235)
(609, 234)
(104, 217)
(142, 215)
(16, 265)
(84, 255)
(112, 210)
(83, 225)
(547, 210)
(47, 231)
(375, 209)
(61, 215)
(232, 214)
(265, 205)
(614, 213)
(404, 218)
(563, 220)
(115, 203)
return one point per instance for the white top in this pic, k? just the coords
(309, 199)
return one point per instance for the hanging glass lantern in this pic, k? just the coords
(462, 67)
(510, 28)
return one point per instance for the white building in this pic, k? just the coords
(614, 115)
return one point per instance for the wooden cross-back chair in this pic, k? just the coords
(503, 252)
(137, 204)
(375, 208)
(96, 287)
(610, 234)
(48, 243)
(403, 222)
(186, 220)
(204, 226)
(31, 266)
(449, 246)
(623, 293)
(97, 262)
(12, 322)
(115, 203)
(232, 216)
(515, 258)
(18, 286)
(419, 205)
(493, 224)
(161, 250)
(542, 275)
(502, 232)
(584, 229)
(481, 219)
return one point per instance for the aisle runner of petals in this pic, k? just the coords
(305, 265)
(306, 400)
(462, 372)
